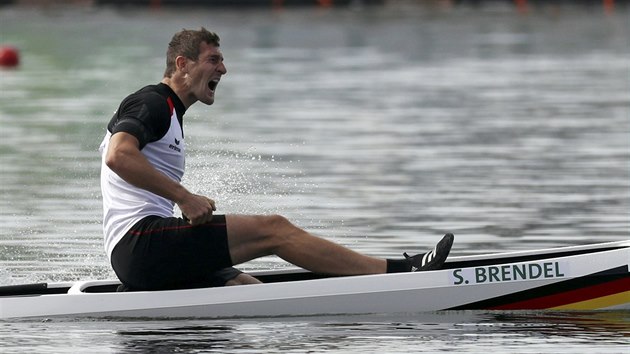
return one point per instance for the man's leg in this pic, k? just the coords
(242, 279)
(250, 237)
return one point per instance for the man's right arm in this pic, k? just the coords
(123, 156)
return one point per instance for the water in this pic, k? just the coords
(440, 332)
(378, 128)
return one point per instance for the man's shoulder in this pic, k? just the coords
(150, 92)
(148, 97)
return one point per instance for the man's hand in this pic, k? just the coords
(197, 208)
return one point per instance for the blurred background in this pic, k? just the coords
(378, 124)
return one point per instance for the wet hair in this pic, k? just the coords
(186, 43)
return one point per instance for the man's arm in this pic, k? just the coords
(125, 159)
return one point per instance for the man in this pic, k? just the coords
(142, 166)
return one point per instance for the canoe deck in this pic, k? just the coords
(591, 277)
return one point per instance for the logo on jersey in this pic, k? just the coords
(174, 147)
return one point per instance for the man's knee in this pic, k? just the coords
(277, 222)
(279, 227)
(256, 236)
(278, 230)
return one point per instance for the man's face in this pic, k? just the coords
(204, 73)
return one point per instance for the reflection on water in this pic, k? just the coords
(458, 331)
(187, 339)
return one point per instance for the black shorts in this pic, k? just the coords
(169, 253)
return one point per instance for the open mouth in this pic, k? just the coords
(212, 85)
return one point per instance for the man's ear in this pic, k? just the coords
(180, 64)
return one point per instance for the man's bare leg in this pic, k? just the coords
(242, 279)
(251, 237)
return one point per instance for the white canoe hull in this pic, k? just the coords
(595, 277)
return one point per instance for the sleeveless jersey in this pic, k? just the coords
(152, 116)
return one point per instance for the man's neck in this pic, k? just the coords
(177, 85)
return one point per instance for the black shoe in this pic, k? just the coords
(433, 259)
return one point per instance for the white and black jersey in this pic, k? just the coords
(153, 115)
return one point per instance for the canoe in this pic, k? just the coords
(590, 277)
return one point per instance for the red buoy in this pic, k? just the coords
(9, 57)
